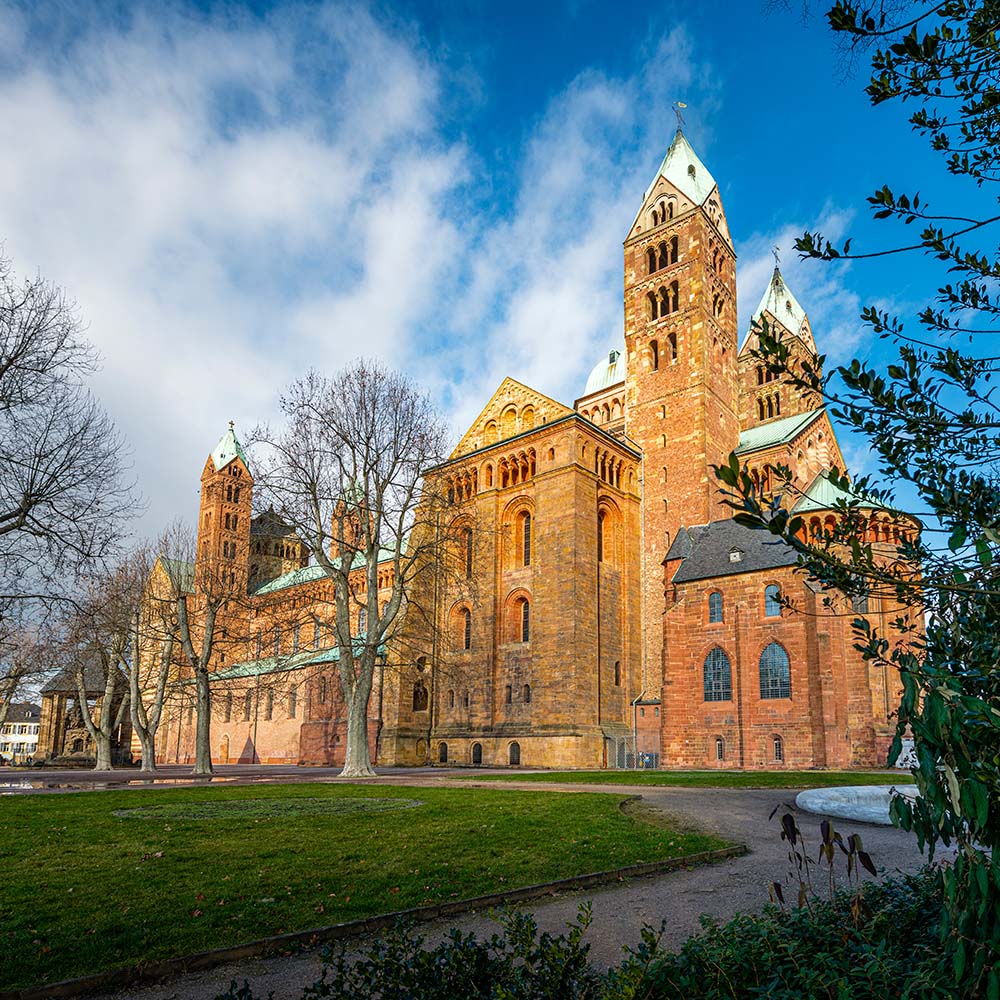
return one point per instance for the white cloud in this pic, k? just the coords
(230, 200)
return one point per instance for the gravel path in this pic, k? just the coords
(620, 911)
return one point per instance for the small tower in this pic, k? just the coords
(764, 396)
(224, 517)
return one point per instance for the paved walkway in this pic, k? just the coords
(619, 912)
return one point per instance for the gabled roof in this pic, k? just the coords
(776, 432)
(781, 305)
(497, 402)
(714, 544)
(94, 679)
(181, 574)
(823, 494)
(227, 449)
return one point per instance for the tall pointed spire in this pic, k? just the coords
(227, 449)
(780, 304)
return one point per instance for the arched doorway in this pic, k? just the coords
(443, 753)
(514, 754)
(477, 754)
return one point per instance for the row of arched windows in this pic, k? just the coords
(476, 754)
(231, 521)
(292, 699)
(877, 530)
(664, 301)
(517, 624)
(233, 493)
(774, 674)
(772, 604)
(662, 255)
(605, 413)
(663, 211)
(511, 423)
(777, 748)
(229, 550)
(765, 375)
(769, 406)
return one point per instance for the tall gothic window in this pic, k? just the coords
(654, 353)
(526, 527)
(525, 620)
(775, 672)
(600, 536)
(468, 553)
(718, 676)
(467, 629)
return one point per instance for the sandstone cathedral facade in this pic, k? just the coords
(611, 611)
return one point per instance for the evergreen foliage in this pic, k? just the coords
(932, 421)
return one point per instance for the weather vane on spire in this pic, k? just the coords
(679, 106)
(776, 253)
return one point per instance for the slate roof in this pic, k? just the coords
(775, 431)
(93, 678)
(23, 712)
(711, 545)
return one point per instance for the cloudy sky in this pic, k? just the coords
(236, 192)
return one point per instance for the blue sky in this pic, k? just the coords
(235, 192)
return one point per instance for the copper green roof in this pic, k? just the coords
(308, 574)
(181, 574)
(775, 432)
(779, 301)
(683, 168)
(227, 449)
(282, 664)
(610, 370)
(825, 495)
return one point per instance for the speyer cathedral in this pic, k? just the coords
(618, 609)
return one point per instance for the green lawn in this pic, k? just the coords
(99, 880)
(710, 779)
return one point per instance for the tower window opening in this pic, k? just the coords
(672, 347)
(779, 749)
(654, 352)
(651, 299)
(526, 539)
(651, 259)
(720, 748)
(527, 694)
(467, 629)
(600, 536)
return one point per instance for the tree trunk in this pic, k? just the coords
(357, 759)
(102, 746)
(147, 743)
(203, 735)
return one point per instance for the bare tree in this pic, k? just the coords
(26, 659)
(209, 601)
(62, 494)
(346, 472)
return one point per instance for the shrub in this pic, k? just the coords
(806, 952)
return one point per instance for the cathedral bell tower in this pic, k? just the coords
(224, 518)
(681, 344)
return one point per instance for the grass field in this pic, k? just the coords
(98, 880)
(710, 779)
